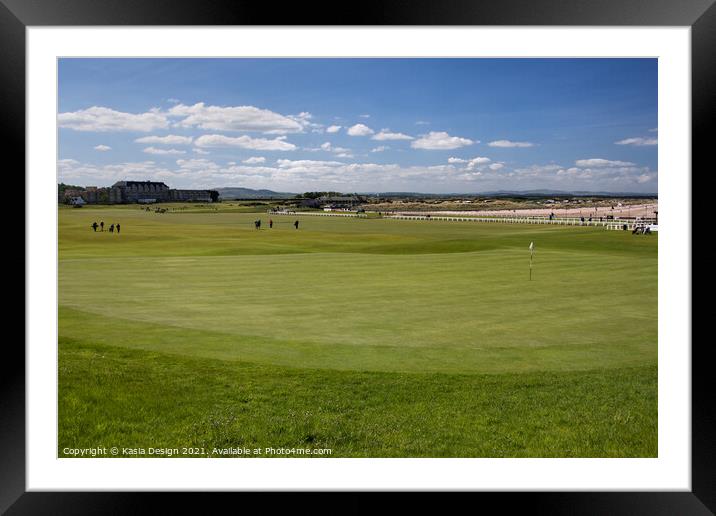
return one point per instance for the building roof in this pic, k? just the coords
(136, 183)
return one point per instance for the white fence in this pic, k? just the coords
(613, 224)
(564, 221)
(631, 225)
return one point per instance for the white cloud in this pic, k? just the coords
(360, 130)
(303, 115)
(244, 142)
(385, 134)
(304, 118)
(172, 100)
(293, 163)
(568, 171)
(576, 173)
(599, 162)
(102, 148)
(380, 148)
(70, 170)
(195, 164)
(102, 119)
(328, 147)
(638, 141)
(154, 150)
(478, 163)
(333, 128)
(469, 176)
(509, 144)
(303, 175)
(254, 160)
(540, 171)
(602, 174)
(200, 151)
(170, 139)
(237, 118)
(644, 178)
(440, 140)
(220, 118)
(364, 116)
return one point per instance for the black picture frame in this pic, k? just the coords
(700, 15)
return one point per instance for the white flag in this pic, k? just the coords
(532, 246)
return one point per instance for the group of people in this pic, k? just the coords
(112, 227)
(257, 224)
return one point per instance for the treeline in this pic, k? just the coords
(62, 188)
(316, 195)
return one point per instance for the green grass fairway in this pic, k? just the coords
(371, 337)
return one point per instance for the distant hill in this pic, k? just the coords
(516, 193)
(235, 192)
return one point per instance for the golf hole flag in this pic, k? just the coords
(532, 250)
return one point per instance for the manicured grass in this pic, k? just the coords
(372, 337)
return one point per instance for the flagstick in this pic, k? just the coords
(532, 251)
(530, 266)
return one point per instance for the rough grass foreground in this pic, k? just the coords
(111, 396)
(369, 338)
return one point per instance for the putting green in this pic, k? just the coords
(359, 294)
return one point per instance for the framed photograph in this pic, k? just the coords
(413, 250)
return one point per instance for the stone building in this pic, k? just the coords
(125, 192)
(91, 194)
(190, 195)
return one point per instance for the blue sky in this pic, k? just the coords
(365, 125)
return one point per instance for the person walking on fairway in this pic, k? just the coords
(94, 226)
(296, 224)
(101, 225)
(111, 228)
(118, 228)
(270, 223)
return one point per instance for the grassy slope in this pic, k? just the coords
(290, 318)
(111, 396)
